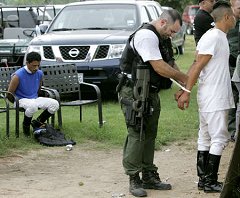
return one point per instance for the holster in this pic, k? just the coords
(130, 114)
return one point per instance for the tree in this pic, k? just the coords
(177, 4)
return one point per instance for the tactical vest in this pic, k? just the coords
(130, 59)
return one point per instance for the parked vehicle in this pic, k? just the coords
(93, 35)
(188, 16)
(17, 28)
(52, 10)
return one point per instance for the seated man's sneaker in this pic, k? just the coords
(151, 180)
(135, 187)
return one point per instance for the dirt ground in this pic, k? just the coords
(89, 172)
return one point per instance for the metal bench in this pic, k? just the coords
(64, 79)
(5, 77)
(6, 105)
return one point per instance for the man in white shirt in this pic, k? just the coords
(214, 96)
(138, 153)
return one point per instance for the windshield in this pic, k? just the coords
(107, 16)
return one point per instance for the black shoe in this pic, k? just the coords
(136, 186)
(26, 130)
(213, 188)
(151, 180)
(202, 160)
(211, 184)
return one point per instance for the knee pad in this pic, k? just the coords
(30, 111)
(53, 107)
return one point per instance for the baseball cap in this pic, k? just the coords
(199, 1)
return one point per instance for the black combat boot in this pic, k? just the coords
(202, 157)
(26, 126)
(151, 180)
(44, 116)
(136, 186)
(211, 185)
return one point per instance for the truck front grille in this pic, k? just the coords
(102, 52)
(74, 52)
(48, 52)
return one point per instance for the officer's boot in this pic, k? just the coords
(151, 180)
(136, 186)
(202, 157)
(211, 185)
(26, 126)
(44, 116)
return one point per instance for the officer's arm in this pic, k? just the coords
(163, 69)
(12, 87)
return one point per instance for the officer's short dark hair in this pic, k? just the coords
(33, 56)
(172, 15)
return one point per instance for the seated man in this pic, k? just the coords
(25, 85)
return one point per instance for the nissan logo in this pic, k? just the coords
(73, 52)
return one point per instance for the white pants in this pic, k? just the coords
(31, 105)
(213, 135)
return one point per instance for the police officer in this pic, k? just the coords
(138, 153)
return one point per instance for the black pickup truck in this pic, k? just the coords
(93, 35)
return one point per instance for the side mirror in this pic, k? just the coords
(43, 28)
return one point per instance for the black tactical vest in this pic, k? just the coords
(130, 59)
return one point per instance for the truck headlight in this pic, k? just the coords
(33, 48)
(116, 51)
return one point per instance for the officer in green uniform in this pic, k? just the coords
(138, 153)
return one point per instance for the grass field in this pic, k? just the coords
(174, 125)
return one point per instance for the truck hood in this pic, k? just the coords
(82, 37)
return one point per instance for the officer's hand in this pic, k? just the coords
(183, 100)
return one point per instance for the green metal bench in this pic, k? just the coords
(6, 105)
(64, 79)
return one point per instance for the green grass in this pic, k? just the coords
(174, 124)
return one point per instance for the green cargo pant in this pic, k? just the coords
(139, 155)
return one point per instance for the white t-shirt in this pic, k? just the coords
(147, 45)
(214, 89)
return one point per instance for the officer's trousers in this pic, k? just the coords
(139, 155)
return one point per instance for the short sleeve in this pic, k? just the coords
(147, 45)
(208, 43)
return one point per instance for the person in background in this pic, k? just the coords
(25, 85)
(214, 96)
(203, 20)
(233, 45)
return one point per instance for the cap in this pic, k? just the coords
(199, 1)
